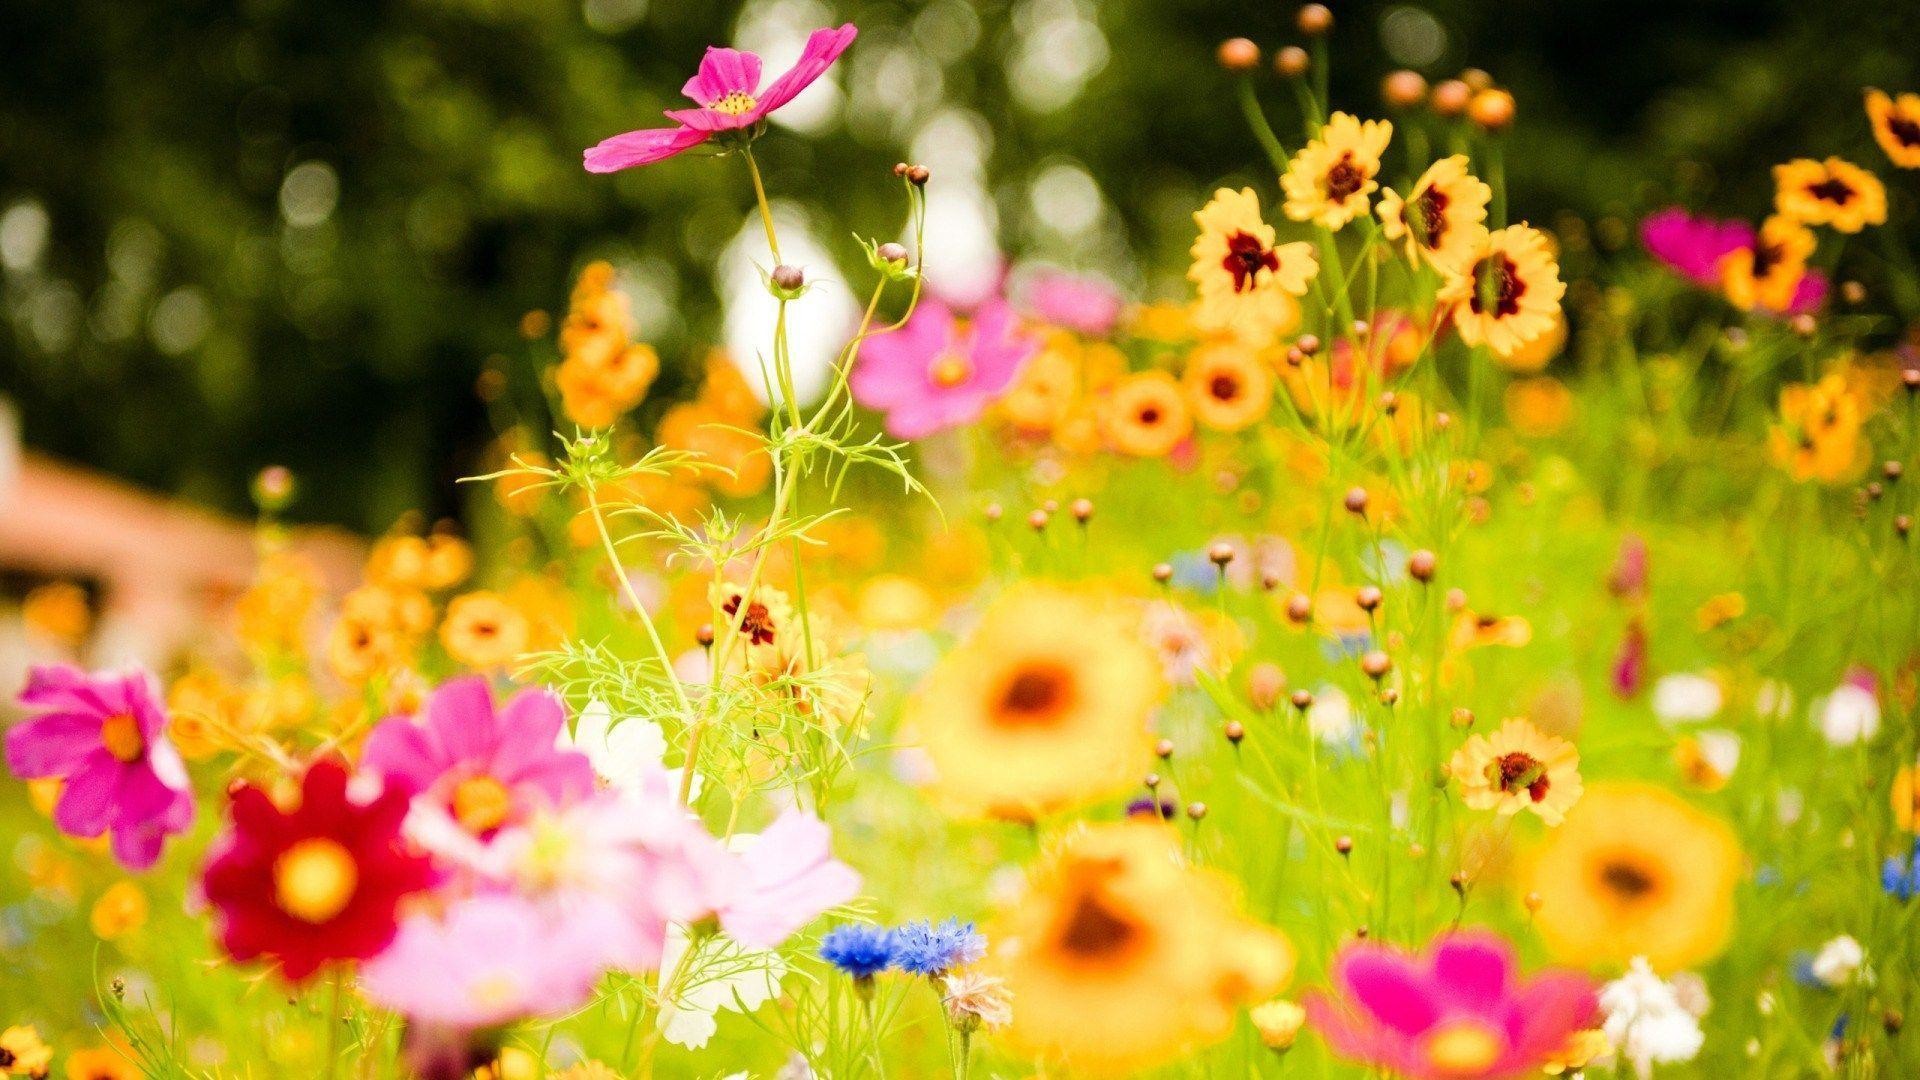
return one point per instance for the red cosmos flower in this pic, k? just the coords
(316, 882)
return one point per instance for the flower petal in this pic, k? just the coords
(723, 71)
(51, 745)
(642, 147)
(824, 46)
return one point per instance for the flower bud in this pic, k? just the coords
(1404, 89)
(1314, 20)
(1450, 97)
(1491, 109)
(1368, 597)
(1356, 500)
(788, 277)
(1291, 61)
(273, 488)
(1082, 510)
(1220, 554)
(1278, 1022)
(892, 253)
(1162, 572)
(918, 175)
(1239, 54)
(1299, 607)
(1264, 684)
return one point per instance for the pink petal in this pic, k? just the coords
(723, 71)
(529, 724)
(1472, 970)
(86, 804)
(405, 754)
(1551, 1006)
(65, 687)
(641, 148)
(51, 745)
(138, 847)
(892, 369)
(792, 877)
(710, 120)
(1386, 985)
(460, 718)
(824, 46)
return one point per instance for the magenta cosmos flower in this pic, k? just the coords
(1693, 247)
(104, 736)
(727, 89)
(473, 770)
(937, 371)
(1457, 1013)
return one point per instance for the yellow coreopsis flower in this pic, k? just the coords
(1508, 293)
(483, 630)
(1328, 180)
(22, 1053)
(1636, 871)
(1818, 437)
(120, 910)
(1246, 282)
(1443, 218)
(1767, 275)
(1230, 386)
(1519, 767)
(1044, 706)
(1896, 126)
(1832, 192)
(1146, 415)
(1123, 955)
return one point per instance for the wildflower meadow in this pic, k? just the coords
(1420, 642)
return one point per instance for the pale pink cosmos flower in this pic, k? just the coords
(789, 877)
(728, 93)
(104, 736)
(1087, 305)
(937, 371)
(472, 769)
(1459, 1012)
(488, 960)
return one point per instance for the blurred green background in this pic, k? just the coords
(242, 232)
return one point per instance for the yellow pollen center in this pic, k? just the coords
(315, 879)
(951, 370)
(120, 734)
(734, 104)
(1463, 1048)
(481, 804)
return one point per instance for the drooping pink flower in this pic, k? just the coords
(789, 878)
(1629, 674)
(1087, 305)
(1693, 246)
(728, 93)
(104, 736)
(938, 371)
(488, 960)
(472, 769)
(1458, 1012)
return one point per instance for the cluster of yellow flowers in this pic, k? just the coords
(603, 372)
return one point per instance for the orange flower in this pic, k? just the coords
(1229, 385)
(1818, 437)
(1833, 192)
(483, 630)
(1147, 415)
(1896, 126)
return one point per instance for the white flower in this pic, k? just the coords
(1720, 749)
(1851, 714)
(723, 974)
(1686, 699)
(1839, 962)
(974, 1000)
(1331, 717)
(621, 752)
(1647, 1020)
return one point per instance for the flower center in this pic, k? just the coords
(1833, 190)
(1344, 179)
(951, 370)
(1518, 772)
(758, 622)
(120, 734)
(1095, 932)
(481, 804)
(1224, 387)
(314, 880)
(1904, 130)
(1428, 220)
(1629, 881)
(1498, 287)
(1246, 257)
(737, 103)
(1463, 1048)
(1035, 696)
(1765, 258)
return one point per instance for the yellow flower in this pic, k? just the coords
(120, 910)
(1246, 283)
(1329, 180)
(274, 610)
(1582, 1048)
(512, 1063)
(1146, 415)
(1534, 356)
(1443, 218)
(1508, 293)
(1517, 768)
(1636, 871)
(587, 1070)
(483, 630)
(1229, 385)
(201, 711)
(1818, 437)
(1278, 1022)
(101, 1063)
(1043, 707)
(1473, 631)
(60, 610)
(22, 1053)
(1719, 610)
(1896, 126)
(761, 637)
(1767, 275)
(1122, 955)
(1538, 407)
(1905, 797)
(1831, 192)
(449, 561)
(1046, 387)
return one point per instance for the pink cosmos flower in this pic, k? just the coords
(1456, 1013)
(1693, 246)
(1087, 305)
(938, 372)
(488, 960)
(473, 770)
(727, 89)
(789, 877)
(105, 737)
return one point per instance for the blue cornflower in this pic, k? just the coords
(859, 950)
(1901, 877)
(929, 948)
